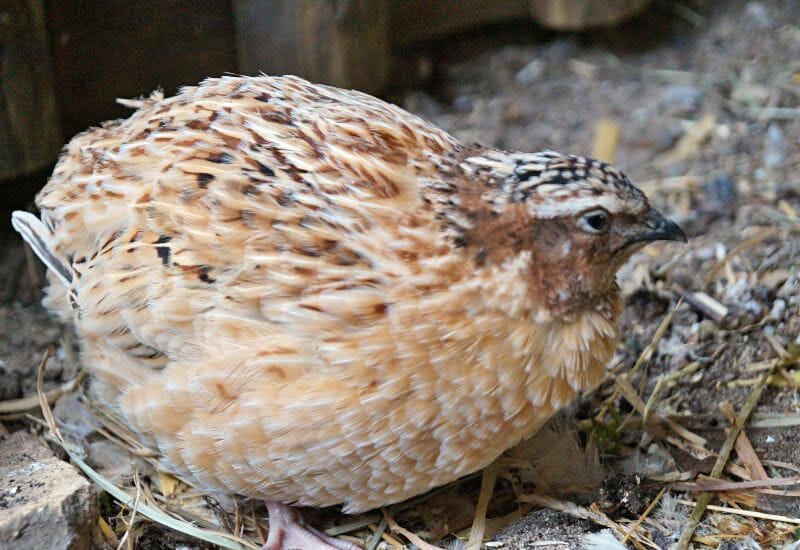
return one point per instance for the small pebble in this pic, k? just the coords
(759, 14)
(774, 146)
(462, 104)
(720, 251)
(681, 99)
(530, 73)
(721, 191)
(751, 306)
(778, 309)
(11, 385)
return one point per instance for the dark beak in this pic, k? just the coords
(659, 228)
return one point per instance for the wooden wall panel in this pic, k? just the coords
(30, 137)
(118, 48)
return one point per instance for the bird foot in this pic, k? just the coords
(287, 532)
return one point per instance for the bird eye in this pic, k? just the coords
(595, 221)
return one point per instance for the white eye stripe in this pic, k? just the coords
(548, 208)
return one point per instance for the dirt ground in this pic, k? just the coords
(706, 100)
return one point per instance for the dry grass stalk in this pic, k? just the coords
(683, 372)
(775, 420)
(108, 533)
(690, 142)
(644, 357)
(606, 140)
(630, 395)
(488, 479)
(705, 498)
(744, 449)
(42, 397)
(707, 484)
(675, 184)
(495, 525)
(644, 515)
(652, 401)
(353, 525)
(746, 513)
(741, 247)
(127, 537)
(413, 537)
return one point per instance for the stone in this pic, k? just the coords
(758, 13)
(531, 73)
(681, 99)
(45, 503)
(774, 147)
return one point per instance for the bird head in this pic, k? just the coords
(568, 223)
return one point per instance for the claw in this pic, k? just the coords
(287, 532)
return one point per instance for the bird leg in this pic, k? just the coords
(287, 532)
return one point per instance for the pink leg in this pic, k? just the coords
(287, 532)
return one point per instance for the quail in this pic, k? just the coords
(309, 296)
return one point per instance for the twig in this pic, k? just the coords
(714, 485)
(23, 404)
(703, 303)
(375, 539)
(42, 397)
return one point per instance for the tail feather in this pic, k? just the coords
(39, 237)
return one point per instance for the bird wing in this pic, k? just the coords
(234, 252)
(244, 202)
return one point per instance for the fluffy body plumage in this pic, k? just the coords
(307, 295)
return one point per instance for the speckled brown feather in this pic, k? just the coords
(307, 295)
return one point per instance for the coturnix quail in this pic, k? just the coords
(309, 296)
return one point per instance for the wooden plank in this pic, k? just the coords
(340, 43)
(414, 21)
(117, 48)
(573, 15)
(30, 137)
